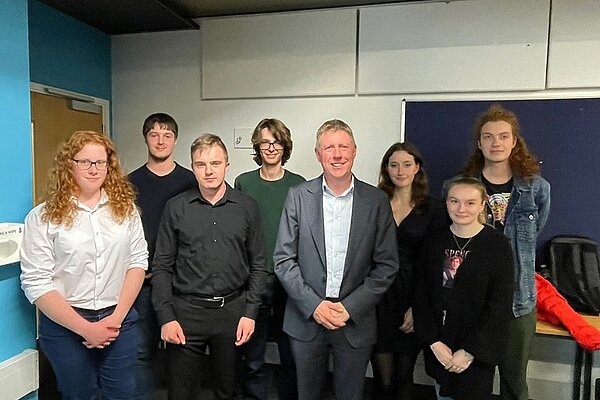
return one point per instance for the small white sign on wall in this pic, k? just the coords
(10, 242)
(242, 138)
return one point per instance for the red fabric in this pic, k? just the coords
(553, 308)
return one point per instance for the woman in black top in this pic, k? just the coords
(465, 288)
(403, 178)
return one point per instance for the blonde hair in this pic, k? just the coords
(59, 207)
(205, 141)
(333, 125)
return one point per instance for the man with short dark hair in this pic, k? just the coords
(269, 185)
(155, 182)
(336, 255)
(209, 273)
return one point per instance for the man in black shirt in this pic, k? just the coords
(209, 273)
(155, 182)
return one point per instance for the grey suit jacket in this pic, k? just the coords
(300, 262)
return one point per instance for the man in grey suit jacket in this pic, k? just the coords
(336, 255)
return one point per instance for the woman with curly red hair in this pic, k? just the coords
(83, 261)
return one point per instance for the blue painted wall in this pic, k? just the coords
(17, 321)
(42, 45)
(68, 54)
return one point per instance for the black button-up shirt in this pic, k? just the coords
(209, 250)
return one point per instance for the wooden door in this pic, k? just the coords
(53, 120)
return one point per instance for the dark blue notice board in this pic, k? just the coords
(564, 134)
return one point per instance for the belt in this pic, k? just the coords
(211, 302)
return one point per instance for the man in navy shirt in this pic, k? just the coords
(155, 182)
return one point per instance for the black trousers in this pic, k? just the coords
(212, 327)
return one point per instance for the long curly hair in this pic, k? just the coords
(419, 189)
(522, 162)
(59, 207)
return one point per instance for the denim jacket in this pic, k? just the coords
(526, 215)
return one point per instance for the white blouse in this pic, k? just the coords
(86, 263)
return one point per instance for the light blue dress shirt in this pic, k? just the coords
(337, 216)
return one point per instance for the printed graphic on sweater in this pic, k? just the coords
(452, 260)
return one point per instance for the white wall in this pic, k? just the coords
(162, 72)
(423, 47)
(308, 53)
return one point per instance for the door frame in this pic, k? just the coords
(68, 94)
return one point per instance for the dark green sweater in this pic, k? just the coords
(270, 196)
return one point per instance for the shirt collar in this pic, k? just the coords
(327, 189)
(101, 203)
(230, 194)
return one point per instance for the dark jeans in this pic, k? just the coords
(149, 338)
(254, 376)
(215, 327)
(269, 325)
(82, 373)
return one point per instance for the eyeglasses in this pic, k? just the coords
(85, 164)
(266, 145)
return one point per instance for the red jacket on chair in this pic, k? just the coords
(553, 308)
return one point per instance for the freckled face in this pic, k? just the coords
(89, 181)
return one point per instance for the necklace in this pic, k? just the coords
(458, 245)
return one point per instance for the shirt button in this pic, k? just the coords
(530, 217)
(98, 255)
(214, 222)
(99, 277)
(215, 240)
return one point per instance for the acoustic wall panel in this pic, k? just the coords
(457, 46)
(574, 53)
(279, 55)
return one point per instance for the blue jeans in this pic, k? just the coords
(149, 338)
(83, 373)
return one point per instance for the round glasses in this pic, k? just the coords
(266, 145)
(85, 164)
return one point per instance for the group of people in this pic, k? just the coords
(328, 268)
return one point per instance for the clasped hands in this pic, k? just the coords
(331, 315)
(102, 333)
(455, 362)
